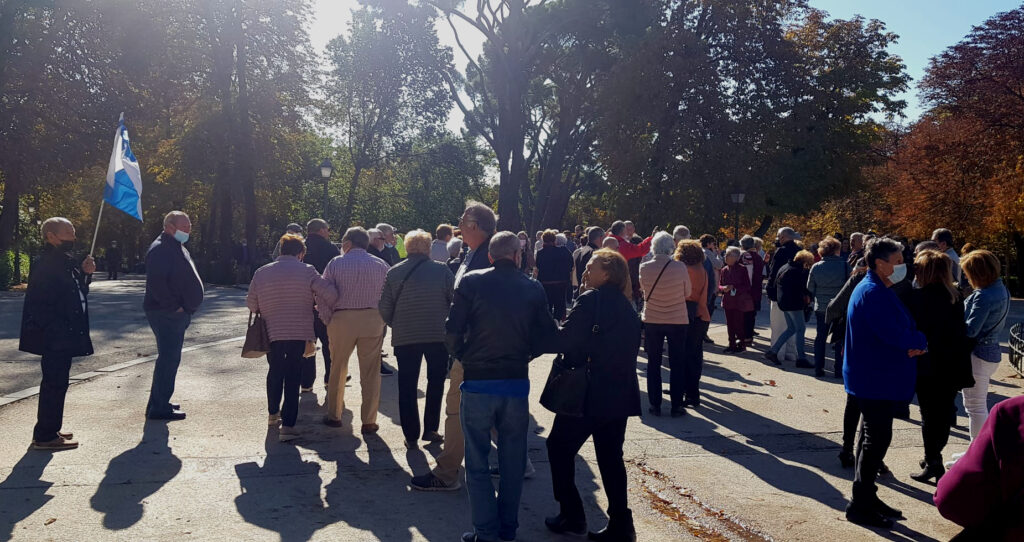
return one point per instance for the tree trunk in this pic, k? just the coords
(350, 201)
(1018, 245)
(245, 149)
(9, 214)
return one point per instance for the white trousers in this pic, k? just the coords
(976, 398)
(778, 324)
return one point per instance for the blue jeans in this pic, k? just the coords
(795, 325)
(169, 329)
(495, 518)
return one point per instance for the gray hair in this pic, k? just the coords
(856, 236)
(54, 225)
(663, 244)
(357, 236)
(172, 218)
(316, 224)
(610, 242)
(417, 242)
(747, 242)
(483, 215)
(680, 233)
(504, 245)
(788, 234)
(617, 227)
(595, 235)
(385, 229)
(374, 234)
(733, 251)
(454, 247)
(758, 243)
(561, 240)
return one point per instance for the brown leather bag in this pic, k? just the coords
(257, 340)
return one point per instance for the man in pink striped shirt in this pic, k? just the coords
(355, 324)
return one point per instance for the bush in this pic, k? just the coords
(7, 274)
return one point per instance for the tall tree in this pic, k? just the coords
(385, 86)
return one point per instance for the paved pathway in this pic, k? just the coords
(756, 462)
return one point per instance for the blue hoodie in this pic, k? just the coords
(879, 332)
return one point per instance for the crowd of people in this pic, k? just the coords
(477, 305)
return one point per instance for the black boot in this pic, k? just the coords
(867, 516)
(931, 470)
(847, 459)
(887, 511)
(619, 529)
(564, 525)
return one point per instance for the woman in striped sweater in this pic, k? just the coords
(282, 292)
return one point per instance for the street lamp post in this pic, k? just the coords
(326, 168)
(737, 200)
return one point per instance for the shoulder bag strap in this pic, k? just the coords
(649, 294)
(401, 285)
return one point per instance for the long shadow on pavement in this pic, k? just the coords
(24, 491)
(135, 475)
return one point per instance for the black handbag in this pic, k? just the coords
(565, 391)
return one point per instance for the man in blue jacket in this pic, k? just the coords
(173, 293)
(880, 372)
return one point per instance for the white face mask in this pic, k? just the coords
(899, 272)
(522, 243)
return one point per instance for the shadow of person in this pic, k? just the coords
(283, 495)
(23, 491)
(135, 475)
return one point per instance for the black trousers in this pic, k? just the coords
(693, 360)
(875, 437)
(409, 359)
(749, 322)
(851, 421)
(52, 391)
(556, 298)
(654, 341)
(567, 437)
(285, 373)
(309, 364)
(112, 270)
(935, 400)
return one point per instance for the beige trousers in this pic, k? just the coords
(362, 331)
(454, 450)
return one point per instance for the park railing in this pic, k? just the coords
(1017, 347)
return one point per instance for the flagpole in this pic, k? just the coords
(97, 232)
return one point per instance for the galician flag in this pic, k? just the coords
(124, 178)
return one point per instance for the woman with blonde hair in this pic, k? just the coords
(602, 333)
(793, 299)
(945, 368)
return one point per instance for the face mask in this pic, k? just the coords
(778, 244)
(181, 237)
(899, 272)
(67, 246)
(522, 243)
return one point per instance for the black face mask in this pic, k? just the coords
(778, 244)
(67, 246)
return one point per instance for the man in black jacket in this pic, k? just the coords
(174, 292)
(497, 324)
(55, 325)
(478, 224)
(319, 252)
(786, 249)
(581, 256)
(113, 256)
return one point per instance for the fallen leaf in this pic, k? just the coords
(49, 521)
(789, 396)
(825, 410)
(770, 382)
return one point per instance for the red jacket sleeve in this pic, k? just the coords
(974, 487)
(630, 251)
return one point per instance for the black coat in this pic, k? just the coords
(554, 264)
(53, 318)
(497, 322)
(948, 360)
(319, 252)
(783, 255)
(172, 281)
(613, 391)
(792, 294)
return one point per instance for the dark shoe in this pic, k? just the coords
(609, 535)
(772, 357)
(369, 428)
(867, 517)
(66, 435)
(175, 406)
(691, 404)
(411, 445)
(732, 350)
(655, 410)
(472, 537)
(884, 470)
(887, 511)
(678, 411)
(429, 482)
(804, 364)
(170, 416)
(819, 373)
(708, 340)
(385, 370)
(329, 422)
(563, 525)
(847, 459)
(433, 436)
(935, 470)
(55, 445)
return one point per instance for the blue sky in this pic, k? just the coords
(925, 27)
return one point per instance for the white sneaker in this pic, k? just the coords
(956, 457)
(288, 434)
(273, 419)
